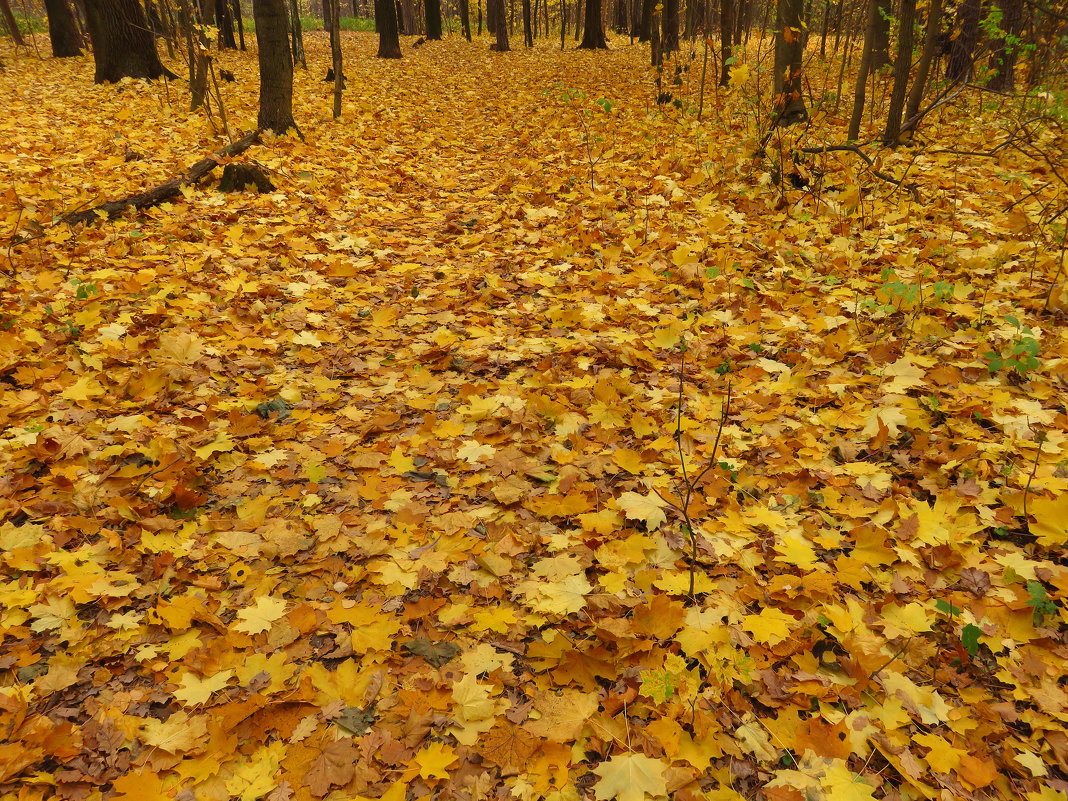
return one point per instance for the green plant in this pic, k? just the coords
(591, 139)
(1040, 602)
(1021, 355)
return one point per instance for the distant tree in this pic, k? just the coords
(528, 29)
(932, 44)
(644, 18)
(1006, 46)
(333, 8)
(669, 26)
(62, 30)
(726, 35)
(860, 92)
(500, 26)
(789, 101)
(465, 19)
(296, 34)
(10, 23)
(902, 66)
(962, 50)
(123, 44)
(386, 22)
(433, 18)
(224, 21)
(593, 31)
(880, 44)
(276, 65)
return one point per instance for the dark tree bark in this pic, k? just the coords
(276, 66)
(932, 43)
(645, 18)
(669, 25)
(593, 32)
(500, 19)
(1005, 48)
(62, 32)
(902, 64)
(335, 52)
(860, 91)
(224, 20)
(295, 32)
(433, 18)
(962, 51)
(386, 22)
(726, 35)
(528, 30)
(880, 46)
(465, 19)
(399, 9)
(491, 16)
(123, 45)
(789, 101)
(239, 16)
(742, 22)
(619, 24)
(10, 23)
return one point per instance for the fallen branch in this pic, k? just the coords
(165, 191)
(913, 188)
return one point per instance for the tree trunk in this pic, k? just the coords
(902, 65)
(932, 43)
(62, 31)
(742, 21)
(335, 53)
(11, 24)
(528, 31)
(789, 101)
(669, 39)
(726, 35)
(465, 19)
(880, 48)
(224, 19)
(501, 20)
(123, 45)
(432, 10)
(593, 31)
(296, 34)
(644, 20)
(859, 94)
(1005, 47)
(962, 51)
(386, 22)
(276, 66)
(239, 15)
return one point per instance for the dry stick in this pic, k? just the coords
(684, 508)
(1040, 438)
(165, 191)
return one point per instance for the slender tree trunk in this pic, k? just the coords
(296, 35)
(726, 36)
(789, 100)
(670, 26)
(860, 93)
(224, 19)
(402, 22)
(239, 15)
(432, 11)
(123, 46)
(1003, 61)
(645, 20)
(742, 21)
(962, 51)
(528, 31)
(563, 22)
(501, 28)
(880, 47)
(593, 33)
(902, 65)
(386, 22)
(62, 31)
(11, 25)
(824, 27)
(465, 19)
(276, 66)
(932, 41)
(479, 2)
(335, 52)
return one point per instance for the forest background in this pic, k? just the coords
(678, 415)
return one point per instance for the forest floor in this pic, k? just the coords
(376, 485)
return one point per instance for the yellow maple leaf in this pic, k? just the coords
(193, 691)
(434, 759)
(631, 777)
(1051, 520)
(769, 627)
(648, 508)
(629, 460)
(84, 388)
(563, 714)
(842, 785)
(943, 757)
(262, 615)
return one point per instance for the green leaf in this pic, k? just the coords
(659, 685)
(969, 637)
(946, 608)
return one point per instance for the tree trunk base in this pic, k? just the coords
(239, 177)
